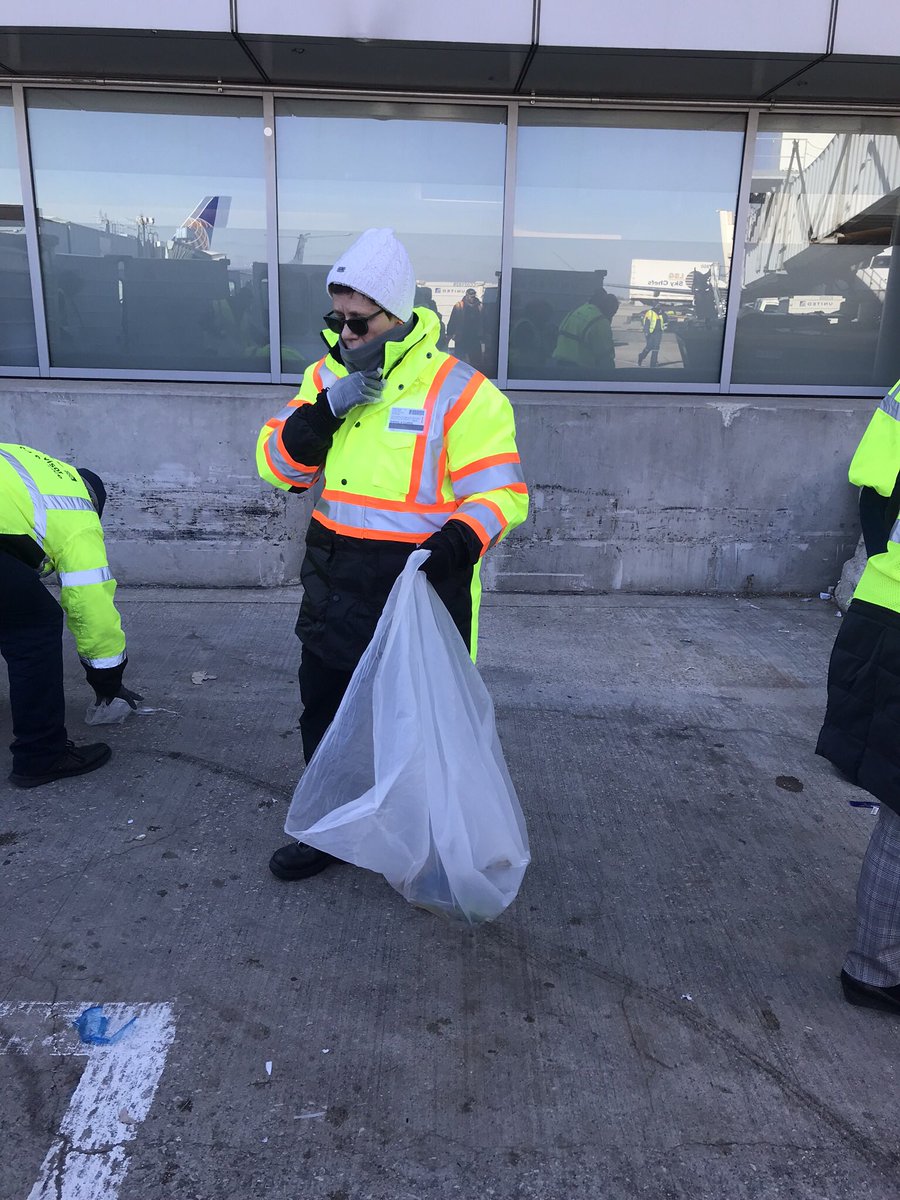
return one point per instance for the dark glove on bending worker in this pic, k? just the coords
(106, 681)
(362, 387)
(451, 548)
(132, 699)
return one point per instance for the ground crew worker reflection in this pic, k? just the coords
(653, 324)
(50, 521)
(466, 328)
(584, 345)
(861, 732)
(415, 448)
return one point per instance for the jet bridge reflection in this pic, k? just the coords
(821, 295)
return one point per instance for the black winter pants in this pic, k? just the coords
(31, 623)
(321, 691)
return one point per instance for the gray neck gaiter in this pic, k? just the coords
(370, 355)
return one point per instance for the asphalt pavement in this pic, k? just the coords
(657, 1015)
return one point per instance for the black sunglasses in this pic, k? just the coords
(357, 325)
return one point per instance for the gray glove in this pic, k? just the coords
(362, 387)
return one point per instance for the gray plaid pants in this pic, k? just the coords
(875, 957)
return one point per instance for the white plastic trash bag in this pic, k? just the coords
(114, 712)
(409, 779)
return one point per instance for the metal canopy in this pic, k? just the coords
(627, 73)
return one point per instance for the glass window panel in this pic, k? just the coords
(151, 217)
(433, 173)
(18, 347)
(622, 245)
(820, 303)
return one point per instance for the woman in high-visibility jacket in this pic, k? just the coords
(861, 731)
(413, 448)
(50, 521)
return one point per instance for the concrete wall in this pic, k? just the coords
(640, 493)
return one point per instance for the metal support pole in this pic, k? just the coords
(23, 150)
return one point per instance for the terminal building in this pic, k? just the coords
(171, 199)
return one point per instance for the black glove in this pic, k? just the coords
(440, 561)
(105, 681)
(132, 699)
(451, 548)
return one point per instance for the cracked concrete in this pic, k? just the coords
(658, 1015)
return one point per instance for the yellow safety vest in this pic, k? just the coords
(650, 319)
(585, 339)
(876, 464)
(46, 500)
(440, 444)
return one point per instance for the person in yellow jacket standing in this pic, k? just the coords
(50, 521)
(584, 345)
(413, 448)
(653, 324)
(861, 731)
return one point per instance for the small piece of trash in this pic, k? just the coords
(308, 1116)
(268, 1068)
(864, 804)
(749, 605)
(130, 821)
(110, 712)
(687, 996)
(140, 837)
(144, 710)
(201, 676)
(805, 599)
(265, 1140)
(824, 595)
(326, 1051)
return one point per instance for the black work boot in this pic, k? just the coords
(296, 860)
(867, 995)
(77, 760)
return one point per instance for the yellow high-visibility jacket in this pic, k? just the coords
(651, 320)
(585, 340)
(876, 464)
(440, 444)
(46, 500)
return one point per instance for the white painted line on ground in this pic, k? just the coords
(87, 1160)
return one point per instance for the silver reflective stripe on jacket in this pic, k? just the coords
(389, 521)
(82, 578)
(103, 663)
(488, 479)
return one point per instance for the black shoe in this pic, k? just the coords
(77, 760)
(866, 995)
(296, 860)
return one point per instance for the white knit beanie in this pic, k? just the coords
(378, 266)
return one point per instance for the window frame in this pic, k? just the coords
(512, 106)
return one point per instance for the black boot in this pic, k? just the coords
(77, 760)
(867, 995)
(296, 860)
